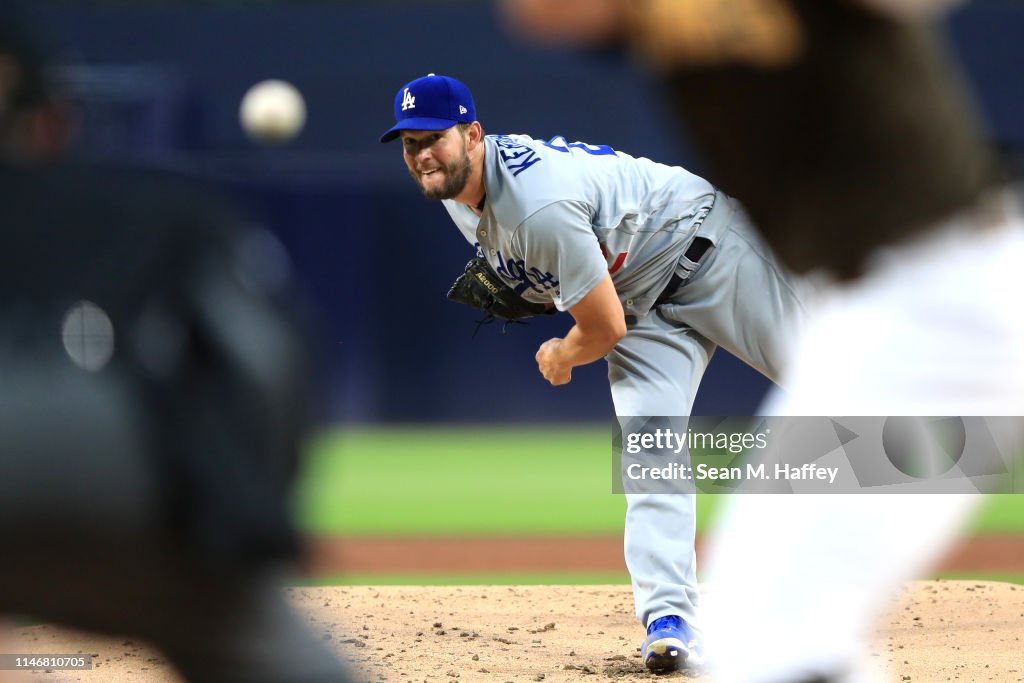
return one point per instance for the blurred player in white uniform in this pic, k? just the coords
(656, 267)
(844, 130)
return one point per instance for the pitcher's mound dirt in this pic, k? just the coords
(938, 631)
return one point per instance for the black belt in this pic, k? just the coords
(695, 252)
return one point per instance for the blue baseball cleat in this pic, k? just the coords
(670, 645)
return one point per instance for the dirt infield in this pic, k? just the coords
(333, 556)
(938, 631)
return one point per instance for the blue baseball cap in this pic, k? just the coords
(431, 103)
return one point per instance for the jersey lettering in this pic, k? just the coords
(558, 143)
(531, 278)
(547, 280)
(522, 156)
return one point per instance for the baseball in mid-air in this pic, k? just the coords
(273, 111)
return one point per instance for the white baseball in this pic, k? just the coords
(273, 111)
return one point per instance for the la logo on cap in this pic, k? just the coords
(430, 102)
(408, 101)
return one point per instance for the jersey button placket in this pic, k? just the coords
(481, 233)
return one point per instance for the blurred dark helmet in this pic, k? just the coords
(33, 125)
(23, 82)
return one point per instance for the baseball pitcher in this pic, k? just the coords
(656, 267)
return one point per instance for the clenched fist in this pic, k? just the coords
(551, 364)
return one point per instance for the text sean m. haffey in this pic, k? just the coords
(759, 471)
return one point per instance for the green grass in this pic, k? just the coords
(1000, 514)
(413, 480)
(429, 480)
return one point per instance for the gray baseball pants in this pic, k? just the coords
(738, 298)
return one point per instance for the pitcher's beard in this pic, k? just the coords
(456, 175)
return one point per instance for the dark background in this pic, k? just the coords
(159, 84)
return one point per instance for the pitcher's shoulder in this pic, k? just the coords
(525, 175)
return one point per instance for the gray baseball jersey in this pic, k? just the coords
(558, 215)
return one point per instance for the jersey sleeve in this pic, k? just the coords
(558, 242)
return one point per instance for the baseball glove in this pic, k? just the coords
(480, 287)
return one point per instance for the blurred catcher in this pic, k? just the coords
(153, 399)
